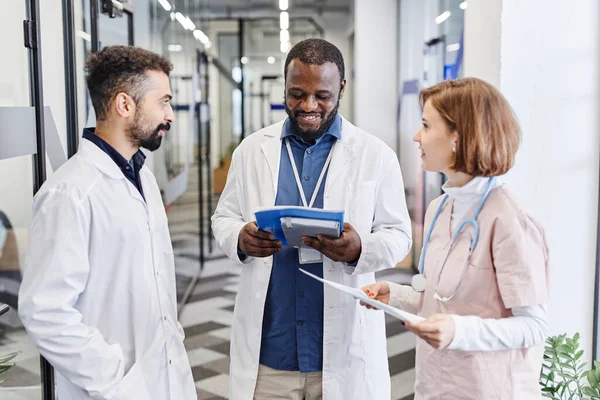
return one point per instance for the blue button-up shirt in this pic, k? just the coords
(292, 335)
(131, 169)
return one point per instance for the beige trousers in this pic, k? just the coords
(272, 384)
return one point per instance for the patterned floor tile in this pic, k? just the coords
(224, 333)
(218, 385)
(201, 356)
(400, 343)
(402, 362)
(204, 340)
(202, 395)
(202, 328)
(199, 373)
(221, 366)
(222, 348)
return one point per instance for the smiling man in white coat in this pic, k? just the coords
(291, 337)
(98, 293)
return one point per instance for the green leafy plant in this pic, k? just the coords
(564, 375)
(5, 362)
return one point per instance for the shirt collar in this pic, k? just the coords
(138, 158)
(470, 192)
(334, 130)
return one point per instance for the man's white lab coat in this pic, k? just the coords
(364, 179)
(98, 293)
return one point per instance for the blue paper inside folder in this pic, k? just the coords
(270, 219)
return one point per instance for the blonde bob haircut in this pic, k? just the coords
(488, 131)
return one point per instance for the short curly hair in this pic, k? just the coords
(316, 52)
(120, 69)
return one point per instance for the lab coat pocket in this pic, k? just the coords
(361, 207)
(372, 326)
(133, 385)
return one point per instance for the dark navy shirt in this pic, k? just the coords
(131, 169)
(292, 335)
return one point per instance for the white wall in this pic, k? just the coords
(482, 40)
(375, 66)
(549, 73)
(412, 36)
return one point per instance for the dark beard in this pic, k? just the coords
(313, 135)
(140, 138)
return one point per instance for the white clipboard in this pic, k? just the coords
(360, 295)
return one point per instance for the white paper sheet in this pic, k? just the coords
(360, 295)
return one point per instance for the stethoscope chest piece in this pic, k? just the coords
(418, 283)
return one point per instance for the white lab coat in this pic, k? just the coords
(364, 179)
(98, 293)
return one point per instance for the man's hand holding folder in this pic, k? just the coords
(346, 248)
(254, 242)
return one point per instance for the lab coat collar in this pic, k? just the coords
(342, 153)
(100, 159)
(271, 149)
(107, 166)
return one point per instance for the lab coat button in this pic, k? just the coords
(165, 318)
(300, 322)
(267, 260)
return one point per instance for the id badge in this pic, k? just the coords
(308, 255)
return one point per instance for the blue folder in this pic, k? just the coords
(270, 219)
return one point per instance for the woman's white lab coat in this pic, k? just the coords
(364, 179)
(98, 293)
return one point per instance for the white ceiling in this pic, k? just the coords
(267, 7)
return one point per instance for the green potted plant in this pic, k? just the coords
(6, 364)
(564, 375)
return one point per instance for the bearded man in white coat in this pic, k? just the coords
(291, 337)
(98, 294)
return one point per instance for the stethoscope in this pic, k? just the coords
(418, 281)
